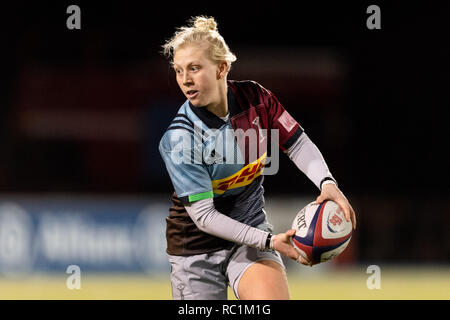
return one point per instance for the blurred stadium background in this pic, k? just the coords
(82, 112)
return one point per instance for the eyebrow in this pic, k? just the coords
(174, 65)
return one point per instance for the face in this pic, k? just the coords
(198, 76)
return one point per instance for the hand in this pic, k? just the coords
(331, 192)
(282, 243)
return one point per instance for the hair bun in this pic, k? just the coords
(205, 24)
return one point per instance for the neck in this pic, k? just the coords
(220, 109)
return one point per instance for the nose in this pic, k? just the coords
(187, 80)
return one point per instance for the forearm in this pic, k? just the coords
(307, 157)
(211, 221)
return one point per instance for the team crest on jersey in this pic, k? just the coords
(262, 133)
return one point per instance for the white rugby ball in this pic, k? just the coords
(321, 231)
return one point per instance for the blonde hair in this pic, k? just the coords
(201, 29)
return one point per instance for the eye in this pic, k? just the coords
(195, 68)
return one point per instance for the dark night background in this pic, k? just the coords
(82, 111)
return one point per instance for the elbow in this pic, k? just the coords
(200, 221)
(202, 215)
(200, 224)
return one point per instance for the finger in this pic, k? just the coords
(303, 260)
(353, 218)
(345, 207)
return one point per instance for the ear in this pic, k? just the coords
(222, 69)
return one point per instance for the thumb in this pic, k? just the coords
(290, 232)
(319, 199)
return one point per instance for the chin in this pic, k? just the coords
(196, 103)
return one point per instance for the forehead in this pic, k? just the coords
(189, 53)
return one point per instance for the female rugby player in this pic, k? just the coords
(217, 230)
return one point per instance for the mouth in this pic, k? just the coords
(191, 93)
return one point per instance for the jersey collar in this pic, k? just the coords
(210, 119)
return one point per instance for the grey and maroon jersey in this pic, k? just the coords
(207, 157)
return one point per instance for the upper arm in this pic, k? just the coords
(183, 161)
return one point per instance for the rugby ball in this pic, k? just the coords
(321, 231)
